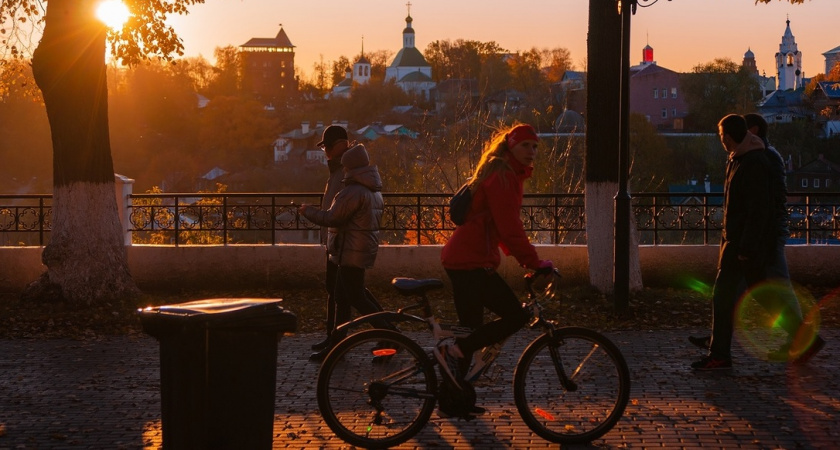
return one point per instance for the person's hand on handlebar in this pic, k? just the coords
(545, 267)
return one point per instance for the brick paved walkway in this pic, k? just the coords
(104, 394)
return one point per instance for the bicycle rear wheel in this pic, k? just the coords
(589, 406)
(376, 389)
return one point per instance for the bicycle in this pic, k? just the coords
(378, 388)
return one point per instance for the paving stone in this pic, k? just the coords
(105, 394)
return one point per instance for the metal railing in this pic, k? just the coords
(408, 218)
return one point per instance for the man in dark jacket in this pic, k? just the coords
(334, 142)
(802, 344)
(352, 237)
(748, 237)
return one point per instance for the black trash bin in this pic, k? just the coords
(218, 370)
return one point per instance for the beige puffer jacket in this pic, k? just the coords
(353, 218)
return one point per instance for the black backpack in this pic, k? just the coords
(459, 204)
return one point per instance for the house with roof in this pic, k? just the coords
(570, 92)
(268, 68)
(409, 69)
(504, 102)
(456, 94)
(784, 106)
(692, 187)
(656, 94)
(832, 58)
(377, 130)
(819, 175)
(826, 100)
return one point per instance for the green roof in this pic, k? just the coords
(409, 57)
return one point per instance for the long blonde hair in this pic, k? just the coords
(494, 157)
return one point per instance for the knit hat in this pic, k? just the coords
(355, 157)
(332, 134)
(521, 133)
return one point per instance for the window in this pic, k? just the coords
(664, 93)
(655, 93)
(673, 92)
(664, 113)
(674, 112)
(816, 182)
(804, 182)
(828, 182)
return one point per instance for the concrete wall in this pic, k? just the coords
(173, 268)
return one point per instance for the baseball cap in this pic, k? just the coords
(332, 134)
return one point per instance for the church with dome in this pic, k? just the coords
(409, 69)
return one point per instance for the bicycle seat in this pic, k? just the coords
(412, 286)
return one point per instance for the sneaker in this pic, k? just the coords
(712, 363)
(443, 414)
(317, 347)
(448, 364)
(815, 347)
(701, 341)
(477, 410)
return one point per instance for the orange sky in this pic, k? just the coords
(683, 33)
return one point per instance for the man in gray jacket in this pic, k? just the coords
(352, 237)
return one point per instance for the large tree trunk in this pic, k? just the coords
(603, 116)
(85, 258)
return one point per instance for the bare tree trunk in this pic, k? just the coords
(603, 117)
(85, 258)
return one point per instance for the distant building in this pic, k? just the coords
(826, 101)
(268, 66)
(456, 94)
(655, 93)
(409, 69)
(784, 106)
(767, 84)
(832, 57)
(819, 175)
(789, 62)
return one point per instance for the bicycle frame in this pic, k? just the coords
(482, 359)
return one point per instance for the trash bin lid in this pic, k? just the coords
(251, 313)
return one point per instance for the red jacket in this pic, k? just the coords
(492, 222)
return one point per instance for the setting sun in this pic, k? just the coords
(113, 13)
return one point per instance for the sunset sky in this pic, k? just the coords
(683, 33)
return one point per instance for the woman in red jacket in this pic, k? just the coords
(471, 256)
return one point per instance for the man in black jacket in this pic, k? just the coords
(748, 237)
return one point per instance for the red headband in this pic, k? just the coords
(521, 133)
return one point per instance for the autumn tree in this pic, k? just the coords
(85, 258)
(227, 76)
(715, 89)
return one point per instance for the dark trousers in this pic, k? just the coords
(474, 290)
(734, 278)
(332, 275)
(350, 292)
(780, 298)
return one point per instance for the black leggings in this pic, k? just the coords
(475, 290)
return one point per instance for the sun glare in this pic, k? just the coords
(112, 13)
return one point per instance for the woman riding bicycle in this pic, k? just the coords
(471, 256)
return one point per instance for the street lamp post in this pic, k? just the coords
(621, 253)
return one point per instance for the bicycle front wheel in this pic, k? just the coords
(571, 388)
(376, 389)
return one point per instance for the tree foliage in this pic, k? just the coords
(717, 88)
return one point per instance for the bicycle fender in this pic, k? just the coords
(390, 316)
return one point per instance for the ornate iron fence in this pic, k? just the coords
(409, 218)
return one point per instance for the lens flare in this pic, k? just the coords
(766, 319)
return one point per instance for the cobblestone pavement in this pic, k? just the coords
(104, 394)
